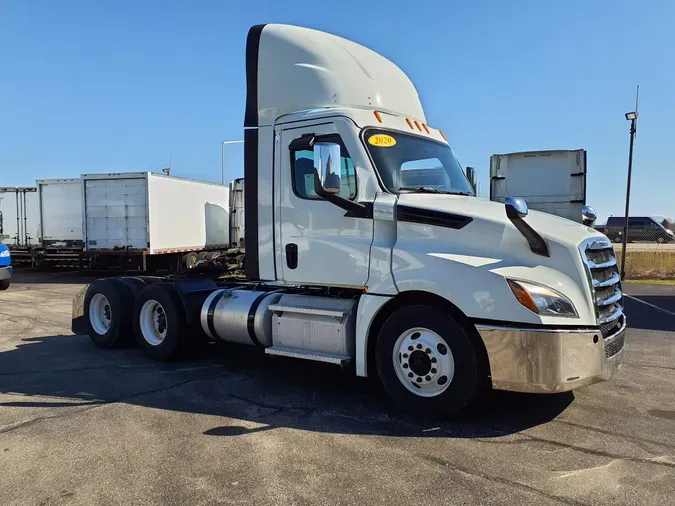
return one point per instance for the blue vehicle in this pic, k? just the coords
(5, 267)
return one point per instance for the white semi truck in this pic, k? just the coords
(438, 293)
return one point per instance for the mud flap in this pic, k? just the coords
(79, 321)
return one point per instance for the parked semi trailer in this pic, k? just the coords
(20, 209)
(146, 221)
(61, 232)
(553, 182)
(438, 293)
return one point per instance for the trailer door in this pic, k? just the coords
(61, 207)
(116, 213)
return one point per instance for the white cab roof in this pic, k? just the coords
(290, 69)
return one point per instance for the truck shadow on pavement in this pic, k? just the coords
(251, 391)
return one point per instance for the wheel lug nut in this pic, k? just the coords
(410, 375)
(433, 360)
(419, 379)
(419, 346)
(405, 355)
(410, 348)
(433, 370)
(427, 350)
(405, 366)
(428, 378)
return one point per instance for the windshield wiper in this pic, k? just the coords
(429, 189)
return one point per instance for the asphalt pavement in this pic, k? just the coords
(81, 425)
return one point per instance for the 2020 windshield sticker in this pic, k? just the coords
(382, 141)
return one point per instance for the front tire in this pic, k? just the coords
(426, 361)
(4, 284)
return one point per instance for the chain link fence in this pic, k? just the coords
(650, 248)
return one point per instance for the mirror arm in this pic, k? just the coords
(537, 243)
(354, 207)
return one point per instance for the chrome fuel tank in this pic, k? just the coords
(239, 316)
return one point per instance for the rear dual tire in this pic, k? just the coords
(160, 323)
(107, 308)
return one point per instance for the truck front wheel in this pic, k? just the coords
(426, 362)
(159, 322)
(4, 284)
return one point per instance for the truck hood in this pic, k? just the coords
(485, 212)
(466, 261)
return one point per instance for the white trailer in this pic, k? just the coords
(135, 218)
(60, 212)
(20, 210)
(438, 293)
(553, 182)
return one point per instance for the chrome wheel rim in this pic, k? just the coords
(423, 362)
(153, 322)
(100, 314)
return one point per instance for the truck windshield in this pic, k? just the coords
(408, 163)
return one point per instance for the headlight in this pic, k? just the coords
(542, 300)
(4, 253)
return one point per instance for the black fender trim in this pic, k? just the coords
(431, 217)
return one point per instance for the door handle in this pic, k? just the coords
(292, 255)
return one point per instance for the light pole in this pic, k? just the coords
(222, 158)
(632, 117)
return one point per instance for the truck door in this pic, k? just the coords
(318, 243)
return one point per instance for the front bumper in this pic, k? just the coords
(5, 272)
(548, 361)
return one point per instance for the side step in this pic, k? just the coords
(317, 356)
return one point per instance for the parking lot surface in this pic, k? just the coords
(81, 425)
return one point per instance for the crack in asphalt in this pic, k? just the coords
(23, 317)
(610, 433)
(649, 366)
(477, 474)
(598, 453)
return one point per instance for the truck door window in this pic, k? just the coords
(302, 172)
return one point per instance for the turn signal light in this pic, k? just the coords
(377, 115)
(523, 297)
(409, 123)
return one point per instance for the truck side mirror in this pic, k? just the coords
(327, 165)
(588, 216)
(515, 207)
(471, 176)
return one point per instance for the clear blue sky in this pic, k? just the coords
(102, 86)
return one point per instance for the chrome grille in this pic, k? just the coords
(612, 327)
(603, 275)
(614, 346)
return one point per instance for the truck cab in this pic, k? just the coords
(365, 244)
